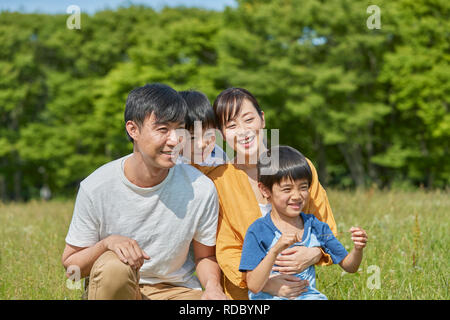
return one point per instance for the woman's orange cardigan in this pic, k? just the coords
(238, 209)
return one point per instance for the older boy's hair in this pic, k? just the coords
(199, 109)
(291, 164)
(157, 98)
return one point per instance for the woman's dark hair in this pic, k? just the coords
(283, 162)
(229, 102)
(157, 98)
(199, 109)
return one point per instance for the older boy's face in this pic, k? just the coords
(202, 144)
(290, 197)
(159, 142)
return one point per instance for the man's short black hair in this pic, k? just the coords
(165, 102)
(199, 109)
(291, 164)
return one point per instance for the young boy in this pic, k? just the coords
(287, 225)
(201, 123)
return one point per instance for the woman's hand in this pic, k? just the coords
(296, 259)
(284, 285)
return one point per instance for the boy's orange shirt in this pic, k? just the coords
(238, 209)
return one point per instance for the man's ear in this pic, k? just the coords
(264, 190)
(132, 129)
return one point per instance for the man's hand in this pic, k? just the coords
(208, 271)
(127, 250)
(295, 260)
(214, 292)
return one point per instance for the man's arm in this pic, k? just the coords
(208, 271)
(82, 257)
(126, 249)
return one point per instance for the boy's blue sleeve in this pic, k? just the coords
(329, 243)
(252, 251)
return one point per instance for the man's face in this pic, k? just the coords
(158, 142)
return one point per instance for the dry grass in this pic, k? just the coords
(408, 242)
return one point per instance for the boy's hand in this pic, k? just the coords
(285, 241)
(359, 237)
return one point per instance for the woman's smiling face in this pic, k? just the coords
(242, 132)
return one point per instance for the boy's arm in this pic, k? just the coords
(352, 261)
(257, 278)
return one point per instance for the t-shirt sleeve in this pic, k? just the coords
(207, 228)
(252, 251)
(84, 227)
(329, 243)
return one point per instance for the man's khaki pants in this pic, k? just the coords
(112, 279)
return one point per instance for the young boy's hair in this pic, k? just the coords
(158, 98)
(199, 109)
(291, 164)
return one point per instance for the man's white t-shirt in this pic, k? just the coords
(163, 219)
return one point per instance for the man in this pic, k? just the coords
(135, 218)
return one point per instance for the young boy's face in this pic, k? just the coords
(288, 197)
(202, 144)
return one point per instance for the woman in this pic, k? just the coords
(241, 203)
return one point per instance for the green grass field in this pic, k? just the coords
(407, 256)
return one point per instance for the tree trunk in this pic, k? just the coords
(321, 161)
(18, 185)
(353, 158)
(371, 169)
(2, 189)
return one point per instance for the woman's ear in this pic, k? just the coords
(264, 190)
(263, 120)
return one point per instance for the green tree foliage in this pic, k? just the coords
(366, 105)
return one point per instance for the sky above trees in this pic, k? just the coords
(89, 6)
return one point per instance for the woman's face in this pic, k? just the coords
(243, 132)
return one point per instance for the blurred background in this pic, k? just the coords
(369, 106)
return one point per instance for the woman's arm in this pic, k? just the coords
(295, 260)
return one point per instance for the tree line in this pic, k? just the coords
(367, 106)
